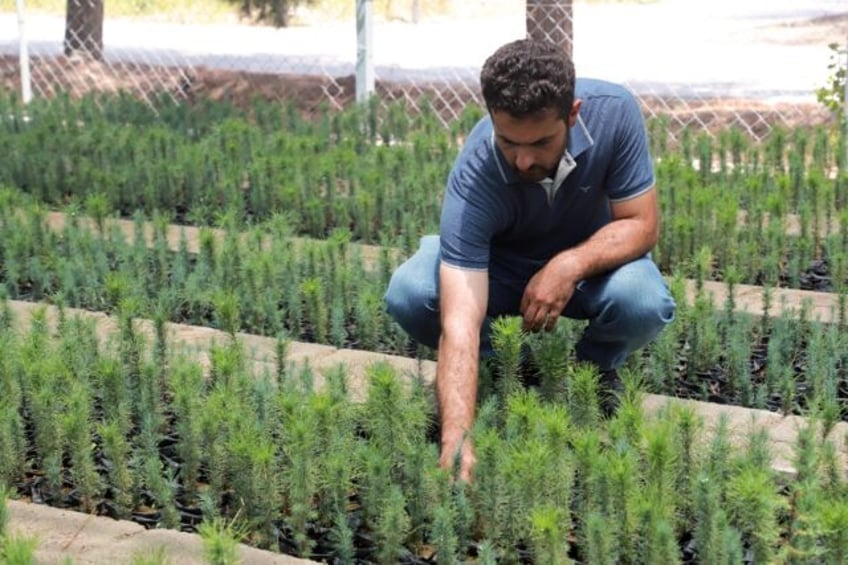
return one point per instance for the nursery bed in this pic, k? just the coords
(782, 433)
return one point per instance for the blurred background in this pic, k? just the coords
(754, 63)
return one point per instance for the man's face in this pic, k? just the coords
(533, 145)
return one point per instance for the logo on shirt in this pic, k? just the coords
(586, 188)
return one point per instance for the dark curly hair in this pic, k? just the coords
(525, 77)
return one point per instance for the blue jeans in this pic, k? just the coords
(626, 307)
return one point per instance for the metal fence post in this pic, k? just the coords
(23, 49)
(551, 20)
(364, 50)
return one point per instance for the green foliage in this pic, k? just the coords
(4, 510)
(753, 506)
(275, 12)
(18, 550)
(507, 341)
(221, 541)
(832, 94)
(157, 556)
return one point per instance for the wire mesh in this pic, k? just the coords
(680, 76)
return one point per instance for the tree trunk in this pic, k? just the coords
(84, 28)
(281, 13)
(551, 20)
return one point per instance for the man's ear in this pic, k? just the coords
(572, 115)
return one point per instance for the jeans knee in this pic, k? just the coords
(408, 299)
(645, 309)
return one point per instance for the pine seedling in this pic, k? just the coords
(621, 473)
(548, 536)
(338, 322)
(114, 392)
(588, 475)
(162, 484)
(806, 456)
(228, 362)
(832, 480)
(301, 448)
(254, 479)
(221, 541)
(464, 514)
(18, 550)
(77, 431)
(188, 407)
(488, 489)
(130, 344)
(317, 311)
(393, 527)
(13, 441)
(4, 509)
(367, 314)
(487, 553)
(342, 536)
(443, 535)
(281, 363)
(704, 336)
(227, 313)
(718, 455)
(552, 361)
(7, 318)
(527, 472)
(710, 521)
(687, 426)
(339, 467)
(661, 541)
(156, 556)
(805, 528)
(47, 418)
(583, 396)
(754, 505)
(116, 449)
(599, 543)
(627, 425)
(376, 474)
(834, 525)
(733, 551)
(396, 421)
(507, 340)
(161, 316)
(758, 453)
(738, 354)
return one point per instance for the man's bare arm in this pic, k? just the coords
(463, 301)
(634, 231)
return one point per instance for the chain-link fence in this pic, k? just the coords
(751, 64)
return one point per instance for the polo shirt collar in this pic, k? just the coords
(579, 140)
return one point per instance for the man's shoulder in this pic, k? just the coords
(596, 90)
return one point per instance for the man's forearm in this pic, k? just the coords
(456, 386)
(613, 245)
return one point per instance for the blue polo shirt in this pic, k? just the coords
(493, 220)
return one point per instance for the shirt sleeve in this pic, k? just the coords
(632, 171)
(468, 217)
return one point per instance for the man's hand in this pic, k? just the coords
(547, 293)
(633, 231)
(465, 452)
